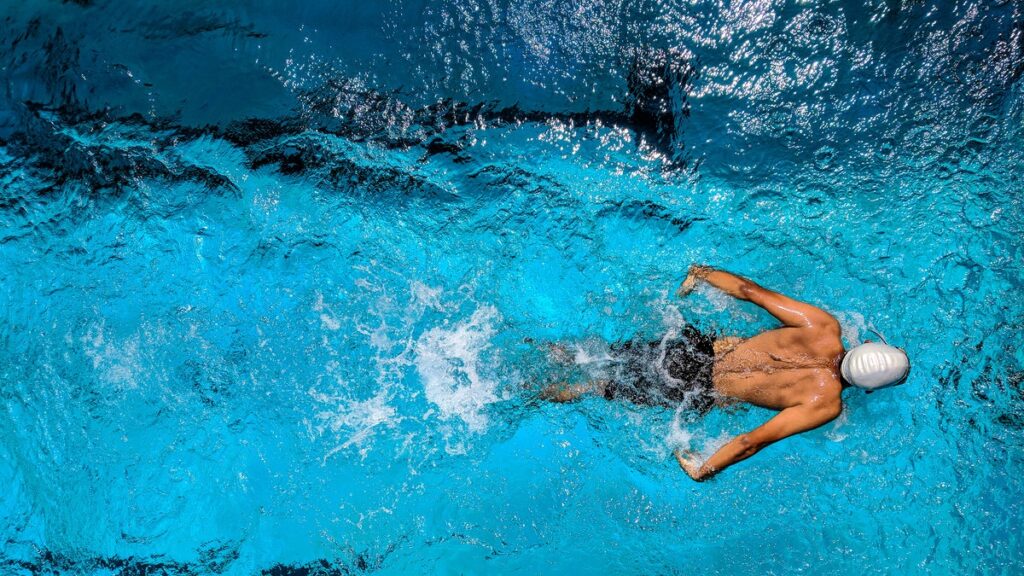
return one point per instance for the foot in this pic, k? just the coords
(565, 392)
(560, 354)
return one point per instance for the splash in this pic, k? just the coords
(357, 420)
(452, 364)
(328, 319)
(120, 363)
(853, 325)
(679, 436)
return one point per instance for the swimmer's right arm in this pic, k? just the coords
(789, 311)
(792, 420)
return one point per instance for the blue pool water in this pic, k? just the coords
(269, 271)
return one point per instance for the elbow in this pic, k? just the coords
(747, 290)
(749, 446)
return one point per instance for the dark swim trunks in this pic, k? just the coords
(669, 373)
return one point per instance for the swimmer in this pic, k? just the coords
(799, 369)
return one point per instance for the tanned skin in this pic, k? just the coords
(793, 369)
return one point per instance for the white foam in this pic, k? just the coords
(449, 363)
(718, 299)
(424, 296)
(357, 420)
(852, 325)
(836, 433)
(118, 363)
(327, 317)
(672, 317)
(706, 299)
(590, 352)
(678, 437)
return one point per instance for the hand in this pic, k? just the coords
(695, 273)
(688, 462)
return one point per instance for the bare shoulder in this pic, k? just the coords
(824, 321)
(827, 403)
(825, 334)
(828, 410)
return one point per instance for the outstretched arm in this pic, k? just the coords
(786, 423)
(789, 311)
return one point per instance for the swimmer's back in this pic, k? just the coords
(784, 367)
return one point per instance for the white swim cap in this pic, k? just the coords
(872, 366)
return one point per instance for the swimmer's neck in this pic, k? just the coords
(839, 373)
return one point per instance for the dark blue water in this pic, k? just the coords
(269, 274)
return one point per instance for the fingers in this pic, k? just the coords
(695, 273)
(686, 287)
(687, 463)
(686, 458)
(683, 464)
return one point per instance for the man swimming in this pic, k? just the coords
(799, 369)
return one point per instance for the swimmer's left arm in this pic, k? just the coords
(790, 421)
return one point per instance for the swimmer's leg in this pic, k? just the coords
(557, 352)
(560, 354)
(565, 374)
(565, 392)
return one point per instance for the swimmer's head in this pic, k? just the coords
(871, 366)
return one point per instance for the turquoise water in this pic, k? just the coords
(268, 274)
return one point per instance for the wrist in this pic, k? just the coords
(700, 271)
(704, 472)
